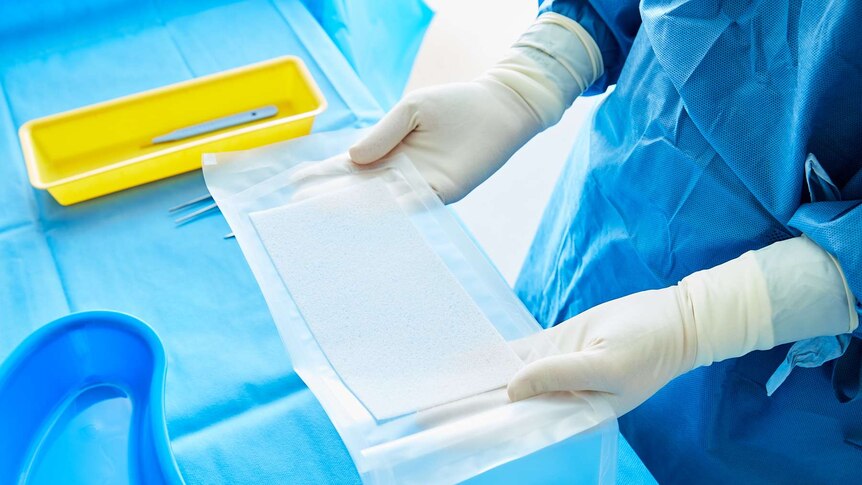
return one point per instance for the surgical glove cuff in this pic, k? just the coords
(791, 290)
(808, 293)
(730, 310)
(551, 64)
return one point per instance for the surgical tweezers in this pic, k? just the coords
(197, 213)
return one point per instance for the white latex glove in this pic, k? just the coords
(631, 347)
(459, 134)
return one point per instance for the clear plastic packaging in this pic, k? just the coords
(448, 443)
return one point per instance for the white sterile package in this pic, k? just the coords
(396, 321)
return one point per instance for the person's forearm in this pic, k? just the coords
(630, 347)
(459, 134)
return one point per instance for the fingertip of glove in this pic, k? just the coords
(358, 154)
(516, 393)
(521, 386)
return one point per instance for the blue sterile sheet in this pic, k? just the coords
(236, 411)
(381, 56)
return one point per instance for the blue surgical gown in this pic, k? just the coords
(733, 125)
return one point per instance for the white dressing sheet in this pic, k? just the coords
(398, 328)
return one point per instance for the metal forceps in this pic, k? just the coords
(209, 206)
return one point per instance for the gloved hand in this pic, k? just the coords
(459, 134)
(631, 347)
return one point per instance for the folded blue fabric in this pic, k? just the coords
(382, 57)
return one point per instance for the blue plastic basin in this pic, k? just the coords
(82, 401)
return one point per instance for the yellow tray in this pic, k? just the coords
(106, 147)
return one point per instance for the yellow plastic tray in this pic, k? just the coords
(106, 147)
